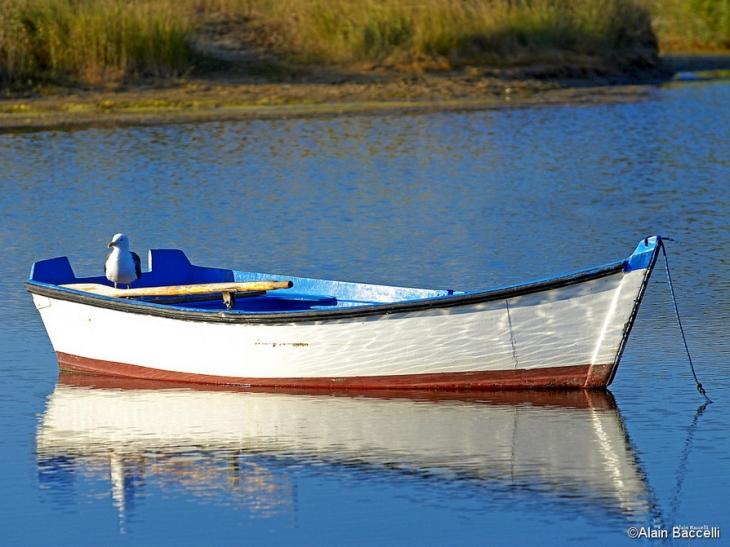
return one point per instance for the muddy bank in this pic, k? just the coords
(228, 96)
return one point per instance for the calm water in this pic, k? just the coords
(457, 200)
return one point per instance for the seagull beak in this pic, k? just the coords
(111, 244)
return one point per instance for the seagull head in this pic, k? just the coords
(120, 241)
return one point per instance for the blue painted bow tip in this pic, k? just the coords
(644, 254)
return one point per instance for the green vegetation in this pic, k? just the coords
(692, 25)
(97, 41)
(455, 32)
(92, 40)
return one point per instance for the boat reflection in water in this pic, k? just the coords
(232, 446)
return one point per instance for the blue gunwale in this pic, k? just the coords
(309, 300)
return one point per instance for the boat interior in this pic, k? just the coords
(171, 268)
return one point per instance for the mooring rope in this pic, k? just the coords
(679, 320)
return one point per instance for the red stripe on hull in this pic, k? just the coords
(569, 398)
(580, 376)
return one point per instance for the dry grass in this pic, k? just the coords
(92, 40)
(109, 40)
(691, 25)
(448, 32)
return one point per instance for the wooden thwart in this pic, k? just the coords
(178, 290)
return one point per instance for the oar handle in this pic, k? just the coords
(179, 290)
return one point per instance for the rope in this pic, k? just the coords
(679, 321)
(682, 468)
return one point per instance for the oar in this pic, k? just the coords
(177, 290)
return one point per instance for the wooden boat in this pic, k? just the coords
(227, 443)
(182, 322)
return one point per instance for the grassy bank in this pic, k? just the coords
(92, 40)
(97, 41)
(448, 32)
(691, 25)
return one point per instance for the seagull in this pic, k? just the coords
(122, 265)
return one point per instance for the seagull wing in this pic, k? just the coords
(137, 264)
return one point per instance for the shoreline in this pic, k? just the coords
(327, 94)
(42, 114)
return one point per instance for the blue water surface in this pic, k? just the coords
(446, 200)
